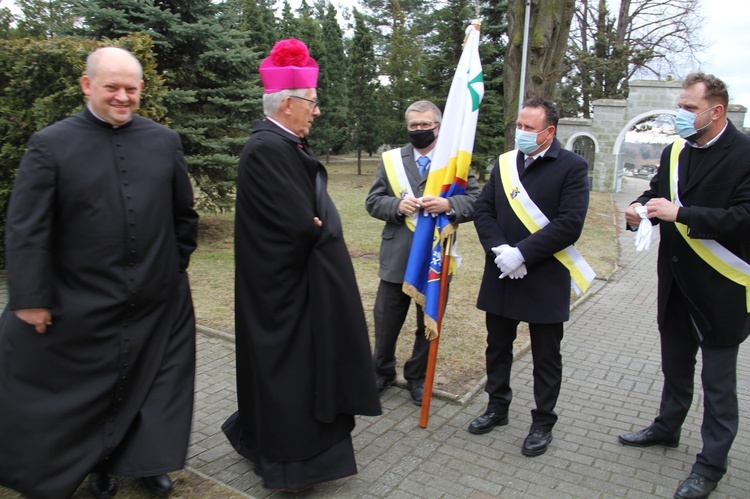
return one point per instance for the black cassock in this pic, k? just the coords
(100, 231)
(304, 365)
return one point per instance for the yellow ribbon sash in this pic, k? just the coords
(581, 274)
(717, 256)
(394, 170)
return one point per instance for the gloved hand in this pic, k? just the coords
(645, 229)
(498, 251)
(510, 260)
(519, 273)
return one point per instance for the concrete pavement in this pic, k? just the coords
(612, 384)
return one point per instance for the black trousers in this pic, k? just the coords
(391, 307)
(679, 347)
(545, 352)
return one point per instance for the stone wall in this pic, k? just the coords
(612, 119)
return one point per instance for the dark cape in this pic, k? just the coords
(304, 366)
(100, 230)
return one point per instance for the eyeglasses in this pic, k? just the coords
(422, 125)
(314, 102)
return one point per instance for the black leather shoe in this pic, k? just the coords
(484, 423)
(536, 443)
(695, 487)
(646, 438)
(384, 383)
(102, 485)
(416, 390)
(158, 485)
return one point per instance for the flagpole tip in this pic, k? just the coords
(476, 24)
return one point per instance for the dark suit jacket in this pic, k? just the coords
(716, 202)
(558, 184)
(382, 203)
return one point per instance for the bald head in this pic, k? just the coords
(111, 56)
(113, 83)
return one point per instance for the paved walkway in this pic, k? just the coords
(612, 384)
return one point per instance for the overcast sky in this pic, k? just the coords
(727, 32)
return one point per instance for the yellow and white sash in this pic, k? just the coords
(394, 169)
(581, 274)
(717, 256)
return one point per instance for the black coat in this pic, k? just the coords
(716, 202)
(558, 184)
(304, 366)
(100, 230)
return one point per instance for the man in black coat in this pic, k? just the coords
(303, 354)
(524, 280)
(701, 200)
(396, 197)
(97, 344)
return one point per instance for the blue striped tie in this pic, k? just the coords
(424, 163)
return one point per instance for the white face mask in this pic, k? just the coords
(526, 141)
(684, 123)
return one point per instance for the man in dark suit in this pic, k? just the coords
(396, 197)
(704, 219)
(533, 284)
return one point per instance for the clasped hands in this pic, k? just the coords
(510, 261)
(431, 204)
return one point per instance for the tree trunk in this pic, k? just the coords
(549, 28)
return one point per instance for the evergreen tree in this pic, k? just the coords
(402, 67)
(331, 129)
(445, 47)
(259, 23)
(288, 26)
(39, 85)
(7, 22)
(214, 90)
(490, 139)
(41, 19)
(363, 113)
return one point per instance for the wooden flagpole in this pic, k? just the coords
(432, 356)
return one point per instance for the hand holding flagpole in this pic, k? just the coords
(430, 261)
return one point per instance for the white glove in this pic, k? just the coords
(519, 273)
(498, 250)
(510, 260)
(645, 229)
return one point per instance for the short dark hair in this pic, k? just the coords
(716, 90)
(551, 114)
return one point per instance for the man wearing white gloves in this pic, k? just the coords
(532, 208)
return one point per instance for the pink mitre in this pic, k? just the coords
(288, 66)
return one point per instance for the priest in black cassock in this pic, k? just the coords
(97, 343)
(304, 367)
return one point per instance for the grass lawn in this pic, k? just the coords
(461, 353)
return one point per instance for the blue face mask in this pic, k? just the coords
(684, 123)
(526, 141)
